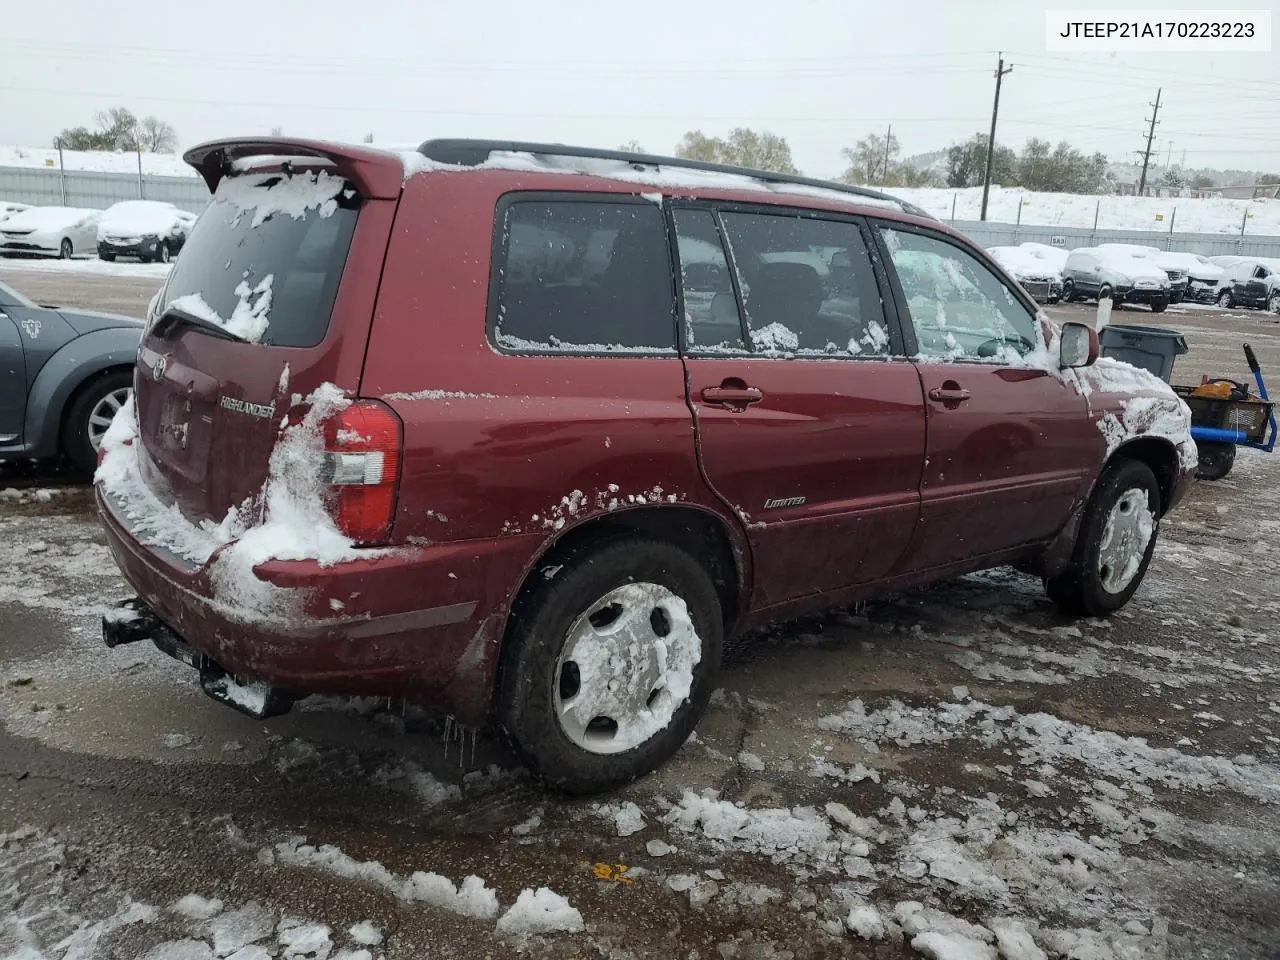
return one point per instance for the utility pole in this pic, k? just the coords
(888, 138)
(1146, 154)
(1001, 70)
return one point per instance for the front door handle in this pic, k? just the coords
(950, 393)
(732, 394)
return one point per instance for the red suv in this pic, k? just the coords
(525, 432)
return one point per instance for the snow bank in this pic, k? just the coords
(149, 271)
(471, 899)
(96, 161)
(1209, 215)
(540, 911)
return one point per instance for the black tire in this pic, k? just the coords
(162, 252)
(108, 257)
(1079, 590)
(524, 709)
(1068, 291)
(1159, 306)
(1216, 459)
(1274, 303)
(1225, 300)
(77, 442)
(1105, 293)
(65, 249)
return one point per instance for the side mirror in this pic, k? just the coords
(1078, 345)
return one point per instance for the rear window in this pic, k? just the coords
(582, 276)
(266, 257)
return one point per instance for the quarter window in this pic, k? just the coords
(959, 309)
(584, 277)
(712, 321)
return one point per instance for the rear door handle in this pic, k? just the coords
(949, 394)
(732, 396)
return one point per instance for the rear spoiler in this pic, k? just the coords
(375, 173)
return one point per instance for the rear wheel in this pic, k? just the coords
(1068, 291)
(1114, 546)
(90, 415)
(1274, 303)
(1104, 292)
(1225, 300)
(609, 662)
(65, 249)
(1216, 459)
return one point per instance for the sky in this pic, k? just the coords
(822, 73)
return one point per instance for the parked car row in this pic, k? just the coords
(148, 230)
(1134, 273)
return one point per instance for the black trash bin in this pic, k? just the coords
(1151, 348)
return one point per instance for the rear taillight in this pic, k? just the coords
(362, 467)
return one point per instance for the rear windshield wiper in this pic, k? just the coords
(175, 318)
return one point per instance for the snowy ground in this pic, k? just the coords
(948, 773)
(91, 267)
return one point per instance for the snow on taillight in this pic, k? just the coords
(362, 467)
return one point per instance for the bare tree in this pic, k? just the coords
(632, 146)
(157, 136)
(277, 131)
(743, 147)
(368, 138)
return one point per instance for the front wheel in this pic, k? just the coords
(90, 415)
(609, 663)
(1216, 459)
(1225, 300)
(1159, 306)
(162, 254)
(1068, 291)
(65, 249)
(1114, 546)
(1274, 303)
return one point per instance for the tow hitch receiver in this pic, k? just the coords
(128, 622)
(132, 620)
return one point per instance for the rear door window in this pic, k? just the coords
(266, 257)
(807, 284)
(583, 276)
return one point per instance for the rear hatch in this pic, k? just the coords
(272, 298)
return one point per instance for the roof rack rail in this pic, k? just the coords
(470, 153)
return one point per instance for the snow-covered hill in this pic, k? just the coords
(1184, 214)
(96, 161)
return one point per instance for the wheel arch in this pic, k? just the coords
(705, 535)
(1158, 454)
(66, 374)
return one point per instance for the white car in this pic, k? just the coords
(1037, 272)
(1094, 273)
(8, 208)
(145, 229)
(50, 232)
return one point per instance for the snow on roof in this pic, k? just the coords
(1136, 267)
(1022, 262)
(673, 177)
(139, 217)
(48, 218)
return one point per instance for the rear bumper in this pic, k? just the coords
(419, 622)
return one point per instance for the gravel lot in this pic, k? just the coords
(952, 763)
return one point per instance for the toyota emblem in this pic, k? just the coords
(157, 371)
